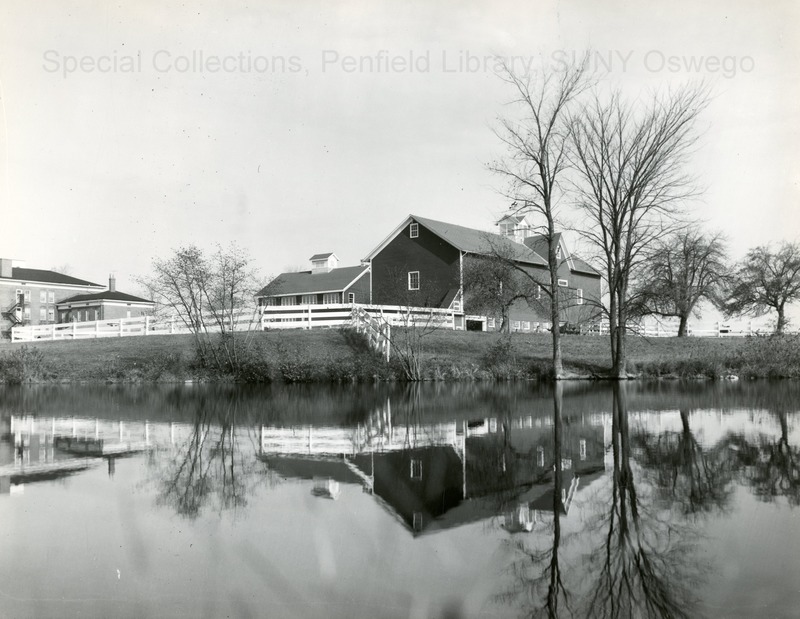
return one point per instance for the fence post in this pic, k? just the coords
(74, 329)
(309, 316)
(146, 324)
(719, 329)
(96, 329)
(120, 326)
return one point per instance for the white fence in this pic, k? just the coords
(119, 327)
(270, 317)
(341, 314)
(717, 329)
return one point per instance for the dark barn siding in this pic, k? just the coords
(436, 261)
(360, 288)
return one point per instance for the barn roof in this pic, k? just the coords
(307, 282)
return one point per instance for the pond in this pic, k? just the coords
(663, 499)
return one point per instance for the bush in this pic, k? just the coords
(24, 365)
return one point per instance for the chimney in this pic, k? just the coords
(5, 267)
(112, 283)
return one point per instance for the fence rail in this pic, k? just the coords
(717, 329)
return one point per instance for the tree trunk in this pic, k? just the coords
(779, 328)
(684, 319)
(619, 370)
(555, 305)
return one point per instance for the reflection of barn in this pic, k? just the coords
(444, 475)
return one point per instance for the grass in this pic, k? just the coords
(338, 356)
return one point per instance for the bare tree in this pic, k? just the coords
(766, 280)
(684, 269)
(630, 186)
(211, 294)
(536, 159)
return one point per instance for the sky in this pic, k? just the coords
(292, 128)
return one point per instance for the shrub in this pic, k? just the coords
(24, 365)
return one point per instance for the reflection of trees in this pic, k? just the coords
(683, 471)
(210, 464)
(645, 565)
(633, 556)
(538, 576)
(772, 466)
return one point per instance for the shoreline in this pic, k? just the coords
(334, 356)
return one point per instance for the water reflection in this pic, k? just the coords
(211, 463)
(605, 498)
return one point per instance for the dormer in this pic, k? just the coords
(515, 227)
(324, 263)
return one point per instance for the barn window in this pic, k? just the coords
(538, 293)
(417, 521)
(579, 296)
(51, 297)
(413, 231)
(351, 297)
(416, 469)
(563, 283)
(413, 280)
(309, 299)
(330, 297)
(42, 296)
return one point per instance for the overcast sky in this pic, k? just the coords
(132, 128)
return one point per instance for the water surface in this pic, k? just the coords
(657, 499)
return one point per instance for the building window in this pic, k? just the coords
(416, 469)
(579, 296)
(309, 299)
(515, 325)
(413, 280)
(287, 300)
(563, 283)
(582, 445)
(558, 252)
(526, 326)
(538, 293)
(490, 323)
(330, 297)
(42, 314)
(51, 315)
(351, 297)
(413, 231)
(417, 521)
(42, 296)
(51, 296)
(540, 455)
(27, 296)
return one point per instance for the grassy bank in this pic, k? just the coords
(334, 356)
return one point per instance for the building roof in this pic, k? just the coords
(306, 282)
(106, 295)
(322, 256)
(478, 241)
(538, 243)
(583, 267)
(48, 277)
